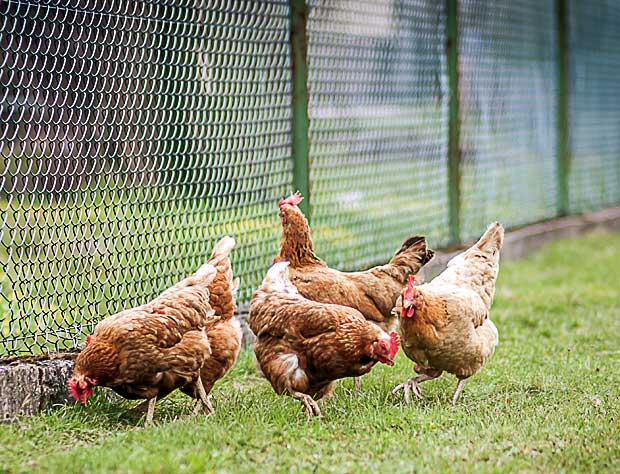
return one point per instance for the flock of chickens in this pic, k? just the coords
(313, 324)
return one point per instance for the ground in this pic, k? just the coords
(547, 401)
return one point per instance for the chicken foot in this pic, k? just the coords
(141, 407)
(310, 407)
(357, 383)
(458, 390)
(412, 385)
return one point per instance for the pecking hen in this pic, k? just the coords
(302, 346)
(167, 344)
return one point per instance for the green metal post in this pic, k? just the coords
(454, 149)
(562, 133)
(300, 122)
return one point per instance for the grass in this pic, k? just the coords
(547, 401)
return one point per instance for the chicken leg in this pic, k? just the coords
(412, 385)
(150, 411)
(357, 383)
(459, 389)
(310, 407)
(204, 400)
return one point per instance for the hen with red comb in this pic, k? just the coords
(303, 346)
(444, 324)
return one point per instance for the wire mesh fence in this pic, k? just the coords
(594, 113)
(135, 134)
(377, 83)
(507, 98)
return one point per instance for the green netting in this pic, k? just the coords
(378, 118)
(508, 76)
(134, 134)
(594, 111)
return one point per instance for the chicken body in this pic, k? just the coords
(372, 292)
(167, 344)
(444, 324)
(224, 332)
(303, 346)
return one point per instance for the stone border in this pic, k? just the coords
(31, 384)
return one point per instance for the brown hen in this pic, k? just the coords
(372, 292)
(303, 346)
(149, 351)
(444, 324)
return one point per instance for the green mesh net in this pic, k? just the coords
(378, 127)
(133, 135)
(594, 104)
(508, 118)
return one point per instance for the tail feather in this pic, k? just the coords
(206, 273)
(222, 250)
(235, 285)
(493, 238)
(412, 254)
(224, 286)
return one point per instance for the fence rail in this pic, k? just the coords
(135, 134)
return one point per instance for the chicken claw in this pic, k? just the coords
(413, 385)
(410, 385)
(310, 407)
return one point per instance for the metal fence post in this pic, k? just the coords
(562, 146)
(454, 149)
(300, 122)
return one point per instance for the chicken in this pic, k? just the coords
(169, 343)
(225, 334)
(302, 346)
(372, 292)
(444, 324)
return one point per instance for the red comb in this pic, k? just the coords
(394, 342)
(411, 280)
(88, 338)
(292, 200)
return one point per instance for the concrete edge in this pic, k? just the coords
(32, 384)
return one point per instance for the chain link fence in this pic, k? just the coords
(508, 113)
(135, 134)
(378, 126)
(594, 113)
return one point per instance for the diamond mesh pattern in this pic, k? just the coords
(134, 135)
(378, 118)
(594, 104)
(508, 113)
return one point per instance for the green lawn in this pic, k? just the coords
(547, 401)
